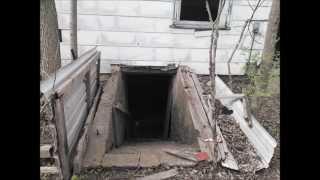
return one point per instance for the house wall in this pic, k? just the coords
(137, 32)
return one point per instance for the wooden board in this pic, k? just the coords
(189, 121)
(100, 132)
(119, 112)
(63, 149)
(183, 127)
(45, 151)
(49, 170)
(83, 141)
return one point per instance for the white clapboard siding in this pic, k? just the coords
(118, 23)
(121, 0)
(160, 54)
(137, 8)
(236, 28)
(244, 13)
(138, 32)
(253, 3)
(147, 25)
(155, 40)
(138, 39)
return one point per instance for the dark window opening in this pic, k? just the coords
(195, 10)
(147, 101)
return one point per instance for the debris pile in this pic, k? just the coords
(238, 144)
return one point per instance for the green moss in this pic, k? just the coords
(256, 79)
(75, 177)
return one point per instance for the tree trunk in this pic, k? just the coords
(50, 59)
(262, 82)
(270, 44)
(212, 67)
(74, 38)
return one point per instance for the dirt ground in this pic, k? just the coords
(268, 116)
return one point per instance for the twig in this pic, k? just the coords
(249, 60)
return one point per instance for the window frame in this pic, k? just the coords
(203, 25)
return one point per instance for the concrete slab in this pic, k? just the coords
(146, 154)
(121, 160)
(149, 160)
(170, 160)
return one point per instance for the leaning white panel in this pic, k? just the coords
(261, 140)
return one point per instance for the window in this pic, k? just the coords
(193, 13)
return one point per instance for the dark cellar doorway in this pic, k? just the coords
(147, 101)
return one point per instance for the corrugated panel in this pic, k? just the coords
(262, 141)
(73, 86)
(64, 75)
(69, 81)
(78, 102)
(74, 131)
(73, 101)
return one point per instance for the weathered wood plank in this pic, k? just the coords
(227, 159)
(120, 117)
(200, 114)
(88, 89)
(63, 148)
(51, 170)
(46, 151)
(168, 111)
(183, 128)
(181, 154)
(76, 128)
(100, 132)
(83, 141)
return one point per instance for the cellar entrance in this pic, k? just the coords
(147, 103)
(143, 113)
